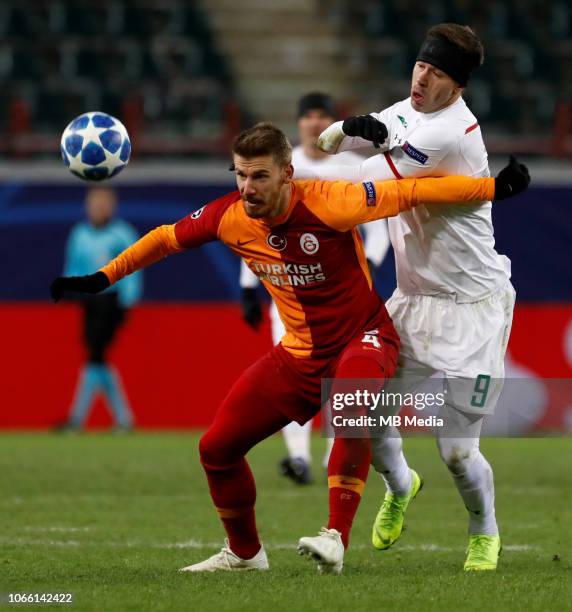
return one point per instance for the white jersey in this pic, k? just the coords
(304, 163)
(438, 250)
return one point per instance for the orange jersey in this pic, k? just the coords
(311, 258)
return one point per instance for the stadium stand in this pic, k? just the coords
(155, 66)
(184, 75)
(523, 86)
(362, 52)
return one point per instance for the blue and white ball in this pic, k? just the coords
(95, 146)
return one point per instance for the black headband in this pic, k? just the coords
(448, 57)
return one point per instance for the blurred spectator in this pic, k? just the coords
(91, 244)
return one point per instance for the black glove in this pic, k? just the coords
(92, 283)
(250, 305)
(372, 269)
(366, 127)
(511, 180)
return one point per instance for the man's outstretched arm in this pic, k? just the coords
(148, 250)
(195, 229)
(349, 204)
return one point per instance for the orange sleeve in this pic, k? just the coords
(445, 190)
(150, 249)
(344, 205)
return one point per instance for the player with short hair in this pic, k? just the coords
(300, 237)
(454, 300)
(316, 111)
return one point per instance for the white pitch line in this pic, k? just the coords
(58, 529)
(425, 547)
(24, 542)
(12, 501)
(198, 545)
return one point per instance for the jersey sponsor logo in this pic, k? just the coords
(276, 242)
(289, 274)
(198, 212)
(309, 244)
(243, 242)
(414, 153)
(369, 193)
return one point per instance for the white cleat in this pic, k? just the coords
(227, 561)
(327, 549)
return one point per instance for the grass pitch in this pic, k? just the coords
(111, 519)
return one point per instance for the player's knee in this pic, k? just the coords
(384, 447)
(215, 453)
(377, 454)
(456, 456)
(210, 450)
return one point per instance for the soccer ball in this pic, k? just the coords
(95, 146)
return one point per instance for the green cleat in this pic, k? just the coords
(482, 553)
(388, 523)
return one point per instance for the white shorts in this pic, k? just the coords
(466, 342)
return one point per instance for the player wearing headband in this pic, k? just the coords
(454, 300)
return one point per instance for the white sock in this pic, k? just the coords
(297, 439)
(476, 486)
(458, 445)
(389, 461)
